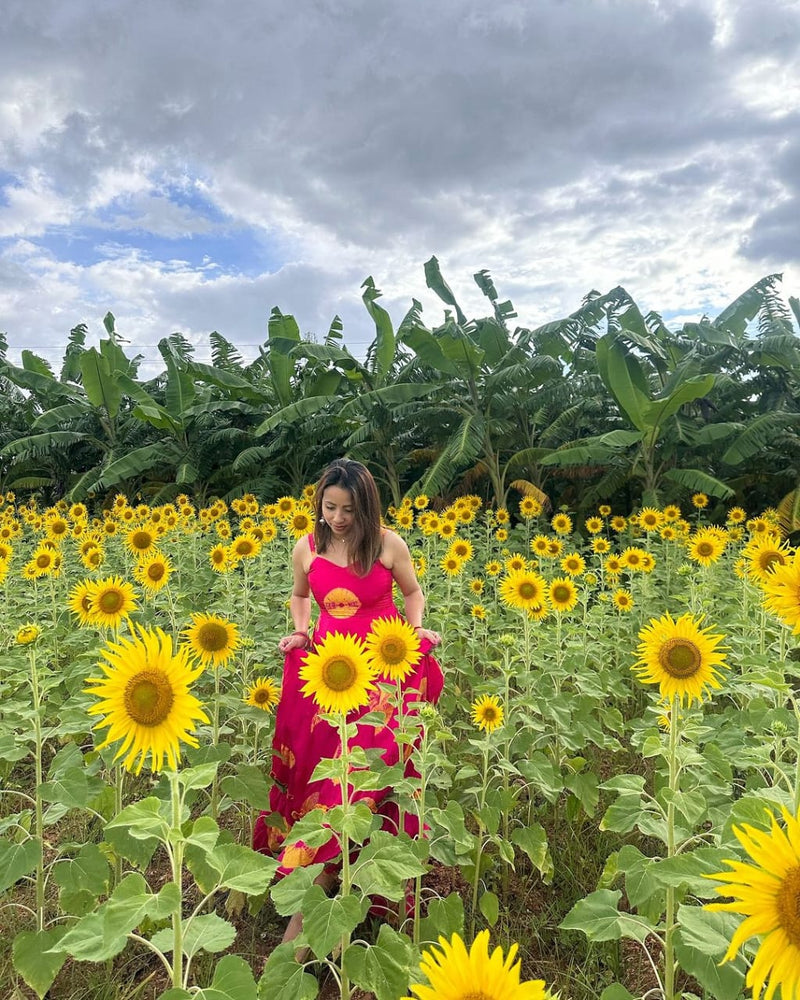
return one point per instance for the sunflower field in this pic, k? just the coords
(610, 783)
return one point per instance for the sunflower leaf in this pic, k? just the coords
(326, 920)
(381, 969)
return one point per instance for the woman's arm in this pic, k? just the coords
(397, 558)
(299, 602)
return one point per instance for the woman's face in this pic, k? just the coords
(337, 510)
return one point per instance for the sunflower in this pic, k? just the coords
(57, 528)
(501, 515)
(220, 559)
(680, 657)
(523, 590)
(404, 520)
(153, 573)
(737, 515)
(764, 555)
(145, 699)
(573, 564)
(338, 673)
(563, 594)
(43, 559)
(618, 523)
(705, 547)
(487, 713)
(501, 535)
(631, 558)
(262, 694)
(393, 647)
(539, 544)
(211, 639)
(600, 545)
(80, 602)
(446, 529)
(699, 500)
(529, 507)
(782, 593)
(453, 973)
(766, 893)
(93, 558)
(461, 548)
(515, 563)
(451, 565)
(478, 611)
(110, 601)
(493, 568)
(562, 524)
(593, 525)
(623, 600)
(284, 507)
(476, 585)
(6, 551)
(244, 547)
(300, 522)
(604, 510)
(650, 518)
(612, 565)
(27, 634)
(140, 541)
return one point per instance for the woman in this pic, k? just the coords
(349, 564)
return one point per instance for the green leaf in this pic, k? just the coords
(489, 905)
(284, 978)
(624, 378)
(435, 281)
(233, 980)
(381, 969)
(37, 959)
(699, 482)
(104, 933)
(445, 917)
(384, 351)
(616, 991)
(208, 932)
(533, 841)
(242, 868)
(70, 789)
(247, 785)
(385, 865)
(82, 879)
(623, 815)
(600, 920)
(287, 895)
(102, 388)
(135, 832)
(660, 410)
(326, 920)
(701, 942)
(18, 860)
(199, 776)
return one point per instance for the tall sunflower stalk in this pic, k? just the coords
(487, 714)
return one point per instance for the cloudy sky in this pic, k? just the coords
(189, 165)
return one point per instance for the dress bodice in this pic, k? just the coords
(349, 603)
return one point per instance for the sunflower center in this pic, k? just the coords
(490, 714)
(149, 697)
(393, 650)
(212, 637)
(561, 594)
(111, 601)
(43, 561)
(768, 558)
(788, 903)
(527, 591)
(262, 696)
(155, 571)
(680, 657)
(705, 549)
(476, 996)
(142, 540)
(339, 673)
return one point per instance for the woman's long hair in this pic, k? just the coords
(366, 539)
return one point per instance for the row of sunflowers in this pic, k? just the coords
(618, 732)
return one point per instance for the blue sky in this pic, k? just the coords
(189, 166)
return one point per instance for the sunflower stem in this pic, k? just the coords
(345, 774)
(119, 778)
(176, 856)
(39, 828)
(479, 844)
(669, 947)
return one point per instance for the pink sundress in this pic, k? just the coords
(348, 604)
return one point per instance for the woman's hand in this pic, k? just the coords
(297, 640)
(433, 637)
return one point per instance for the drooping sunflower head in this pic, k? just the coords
(338, 673)
(487, 713)
(80, 602)
(453, 973)
(393, 647)
(27, 634)
(111, 600)
(679, 656)
(262, 693)
(145, 699)
(211, 639)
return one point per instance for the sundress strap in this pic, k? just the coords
(311, 542)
